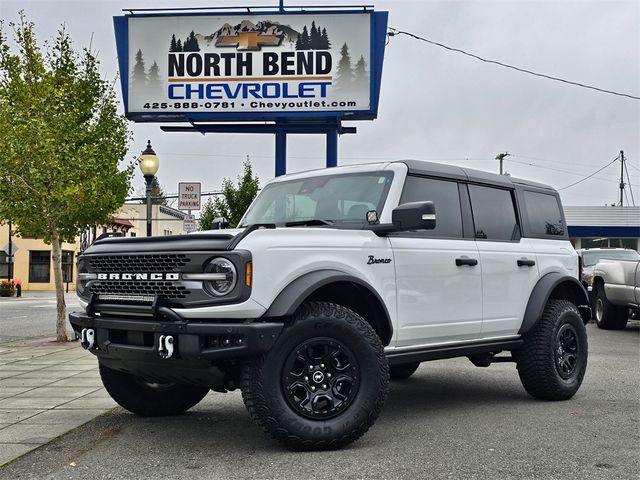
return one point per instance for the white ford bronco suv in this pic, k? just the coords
(336, 281)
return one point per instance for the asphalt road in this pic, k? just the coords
(450, 420)
(32, 316)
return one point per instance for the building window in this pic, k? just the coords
(67, 266)
(4, 264)
(609, 243)
(39, 266)
(133, 234)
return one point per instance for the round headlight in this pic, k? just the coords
(228, 276)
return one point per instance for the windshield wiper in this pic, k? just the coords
(311, 222)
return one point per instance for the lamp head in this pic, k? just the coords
(149, 161)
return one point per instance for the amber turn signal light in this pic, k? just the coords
(247, 274)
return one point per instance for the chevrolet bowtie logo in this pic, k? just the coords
(248, 41)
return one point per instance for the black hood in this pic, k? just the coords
(175, 243)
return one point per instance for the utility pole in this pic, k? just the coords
(500, 157)
(621, 177)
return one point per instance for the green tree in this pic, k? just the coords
(62, 144)
(234, 200)
(207, 215)
(157, 193)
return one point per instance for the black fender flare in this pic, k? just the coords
(543, 290)
(292, 296)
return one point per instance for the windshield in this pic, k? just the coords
(327, 199)
(591, 258)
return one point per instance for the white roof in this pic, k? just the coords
(590, 216)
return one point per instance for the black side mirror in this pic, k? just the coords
(219, 223)
(414, 216)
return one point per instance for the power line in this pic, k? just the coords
(589, 176)
(395, 31)
(633, 166)
(633, 200)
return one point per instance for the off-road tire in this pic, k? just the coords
(264, 378)
(402, 372)
(608, 316)
(149, 399)
(537, 361)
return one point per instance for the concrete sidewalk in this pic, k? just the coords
(46, 390)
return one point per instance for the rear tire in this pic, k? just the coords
(323, 384)
(609, 316)
(149, 399)
(553, 360)
(402, 372)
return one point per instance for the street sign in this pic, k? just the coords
(189, 196)
(190, 223)
(13, 251)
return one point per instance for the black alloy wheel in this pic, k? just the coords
(320, 378)
(567, 350)
(322, 385)
(553, 359)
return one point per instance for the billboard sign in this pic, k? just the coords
(189, 196)
(244, 66)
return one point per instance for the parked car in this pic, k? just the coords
(591, 256)
(615, 287)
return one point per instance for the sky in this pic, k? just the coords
(435, 104)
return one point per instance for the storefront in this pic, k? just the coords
(599, 227)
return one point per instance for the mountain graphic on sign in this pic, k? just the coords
(264, 27)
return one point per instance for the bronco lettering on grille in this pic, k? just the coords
(138, 276)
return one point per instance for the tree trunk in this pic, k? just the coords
(61, 308)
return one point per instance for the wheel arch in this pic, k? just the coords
(337, 287)
(555, 285)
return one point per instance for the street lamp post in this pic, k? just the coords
(149, 164)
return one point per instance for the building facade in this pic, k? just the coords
(592, 227)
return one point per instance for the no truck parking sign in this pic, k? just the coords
(189, 196)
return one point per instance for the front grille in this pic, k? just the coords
(160, 262)
(167, 290)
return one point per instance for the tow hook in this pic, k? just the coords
(165, 346)
(87, 338)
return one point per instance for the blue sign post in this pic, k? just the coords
(297, 71)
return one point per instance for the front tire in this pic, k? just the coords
(149, 399)
(323, 384)
(553, 360)
(402, 372)
(609, 316)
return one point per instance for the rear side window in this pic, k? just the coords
(494, 215)
(446, 200)
(543, 213)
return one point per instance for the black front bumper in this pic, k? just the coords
(199, 344)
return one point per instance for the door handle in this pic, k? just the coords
(466, 261)
(525, 262)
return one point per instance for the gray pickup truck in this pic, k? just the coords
(615, 287)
